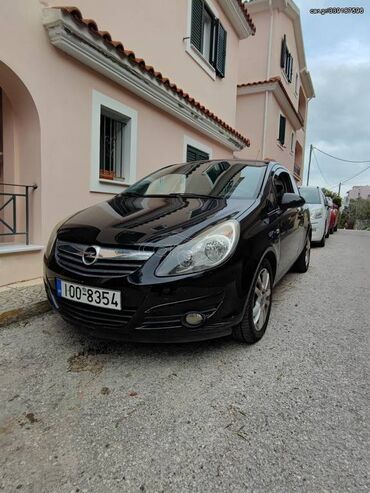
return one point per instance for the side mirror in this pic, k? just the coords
(291, 200)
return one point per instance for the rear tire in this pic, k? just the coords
(303, 262)
(258, 306)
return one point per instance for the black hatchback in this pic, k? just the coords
(190, 252)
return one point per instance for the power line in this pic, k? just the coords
(318, 166)
(339, 158)
(350, 178)
(354, 176)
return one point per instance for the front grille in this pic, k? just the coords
(110, 262)
(95, 317)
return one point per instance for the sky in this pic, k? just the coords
(337, 50)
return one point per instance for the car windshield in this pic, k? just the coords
(213, 179)
(311, 195)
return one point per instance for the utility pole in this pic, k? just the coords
(309, 165)
(340, 186)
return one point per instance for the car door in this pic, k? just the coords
(300, 231)
(288, 223)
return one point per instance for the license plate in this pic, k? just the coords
(104, 298)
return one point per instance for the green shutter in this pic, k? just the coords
(282, 126)
(283, 52)
(196, 37)
(290, 69)
(193, 154)
(220, 55)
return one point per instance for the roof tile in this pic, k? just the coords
(76, 14)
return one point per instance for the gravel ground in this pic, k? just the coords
(288, 414)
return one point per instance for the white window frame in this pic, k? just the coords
(191, 50)
(98, 184)
(198, 145)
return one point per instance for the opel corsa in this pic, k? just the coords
(190, 252)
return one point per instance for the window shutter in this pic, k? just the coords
(282, 129)
(220, 55)
(193, 154)
(196, 36)
(283, 52)
(291, 69)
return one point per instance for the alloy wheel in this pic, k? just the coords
(262, 298)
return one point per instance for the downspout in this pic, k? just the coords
(267, 78)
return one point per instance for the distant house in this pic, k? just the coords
(359, 192)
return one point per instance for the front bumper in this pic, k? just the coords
(318, 230)
(155, 313)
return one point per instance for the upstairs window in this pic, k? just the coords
(286, 60)
(208, 36)
(282, 126)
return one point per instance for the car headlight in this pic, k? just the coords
(207, 250)
(317, 214)
(53, 236)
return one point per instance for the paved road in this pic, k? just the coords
(288, 414)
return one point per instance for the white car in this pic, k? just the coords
(319, 212)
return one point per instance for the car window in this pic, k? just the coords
(279, 188)
(219, 179)
(282, 184)
(311, 195)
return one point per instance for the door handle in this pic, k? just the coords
(275, 233)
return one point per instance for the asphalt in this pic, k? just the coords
(288, 414)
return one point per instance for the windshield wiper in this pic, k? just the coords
(192, 195)
(132, 194)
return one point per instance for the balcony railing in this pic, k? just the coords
(15, 202)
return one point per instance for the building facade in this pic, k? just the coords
(89, 106)
(96, 96)
(359, 192)
(274, 85)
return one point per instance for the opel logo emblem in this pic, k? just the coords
(90, 255)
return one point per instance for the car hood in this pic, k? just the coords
(149, 221)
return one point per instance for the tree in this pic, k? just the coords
(356, 215)
(337, 199)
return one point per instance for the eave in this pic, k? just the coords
(276, 87)
(81, 39)
(239, 17)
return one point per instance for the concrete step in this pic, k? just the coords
(21, 301)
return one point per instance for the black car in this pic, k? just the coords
(190, 252)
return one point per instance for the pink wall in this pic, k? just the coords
(53, 112)
(284, 25)
(255, 66)
(250, 117)
(141, 29)
(253, 51)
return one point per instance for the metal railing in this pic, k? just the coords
(11, 200)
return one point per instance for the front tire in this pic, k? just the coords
(258, 306)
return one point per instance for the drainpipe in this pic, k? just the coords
(267, 78)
